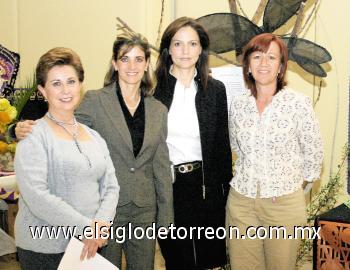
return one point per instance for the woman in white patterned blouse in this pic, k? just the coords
(274, 132)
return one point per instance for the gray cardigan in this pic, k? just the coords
(58, 188)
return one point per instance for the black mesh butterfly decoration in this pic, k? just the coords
(228, 32)
(9, 64)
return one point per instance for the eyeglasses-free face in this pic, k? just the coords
(265, 66)
(185, 49)
(62, 88)
(131, 66)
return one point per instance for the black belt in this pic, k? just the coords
(188, 167)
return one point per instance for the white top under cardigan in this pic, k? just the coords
(58, 188)
(276, 150)
(183, 128)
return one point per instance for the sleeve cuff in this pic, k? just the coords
(86, 222)
(11, 131)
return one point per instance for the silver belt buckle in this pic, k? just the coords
(185, 168)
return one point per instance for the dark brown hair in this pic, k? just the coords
(262, 43)
(164, 60)
(58, 56)
(122, 45)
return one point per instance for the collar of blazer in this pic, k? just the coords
(115, 114)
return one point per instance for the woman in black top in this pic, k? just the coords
(198, 145)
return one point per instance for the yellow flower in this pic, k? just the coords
(11, 147)
(5, 118)
(7, 112)
(4, 104)
(3, 147)
(12, 112)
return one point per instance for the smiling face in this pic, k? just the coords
(131, 66)
(185, 49)
(61, 89)
(265, 67)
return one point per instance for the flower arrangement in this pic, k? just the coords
(8, 114)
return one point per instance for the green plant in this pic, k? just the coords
(22, 94)
(321, 202)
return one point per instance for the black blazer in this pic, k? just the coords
(211, 106)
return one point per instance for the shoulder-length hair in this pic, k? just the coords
(262, 43)
(164, 60)
(122, 45)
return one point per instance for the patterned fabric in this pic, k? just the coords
(276, 150)
(8, 195)
(9, 64)
(333, 248)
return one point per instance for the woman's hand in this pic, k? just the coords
(24, 128)
(307, 186)
(90, 248)
(103, 231)
(91, 245)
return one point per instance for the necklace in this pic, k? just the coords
(73, 133)
(59, 122)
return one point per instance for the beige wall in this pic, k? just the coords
(31, 27)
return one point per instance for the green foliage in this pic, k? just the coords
(321, 202)
(22, 95)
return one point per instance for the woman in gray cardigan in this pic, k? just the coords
(64, 171)
(134, 125)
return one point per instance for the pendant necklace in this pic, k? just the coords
(73, 133)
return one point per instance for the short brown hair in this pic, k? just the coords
(262, 43)
(58, 56)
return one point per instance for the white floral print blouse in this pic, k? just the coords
(277, 150)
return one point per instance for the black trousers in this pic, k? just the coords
(30, 260)
(192, 210)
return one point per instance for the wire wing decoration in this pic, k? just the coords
(228, 32)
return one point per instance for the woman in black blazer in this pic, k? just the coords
(198, 145)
